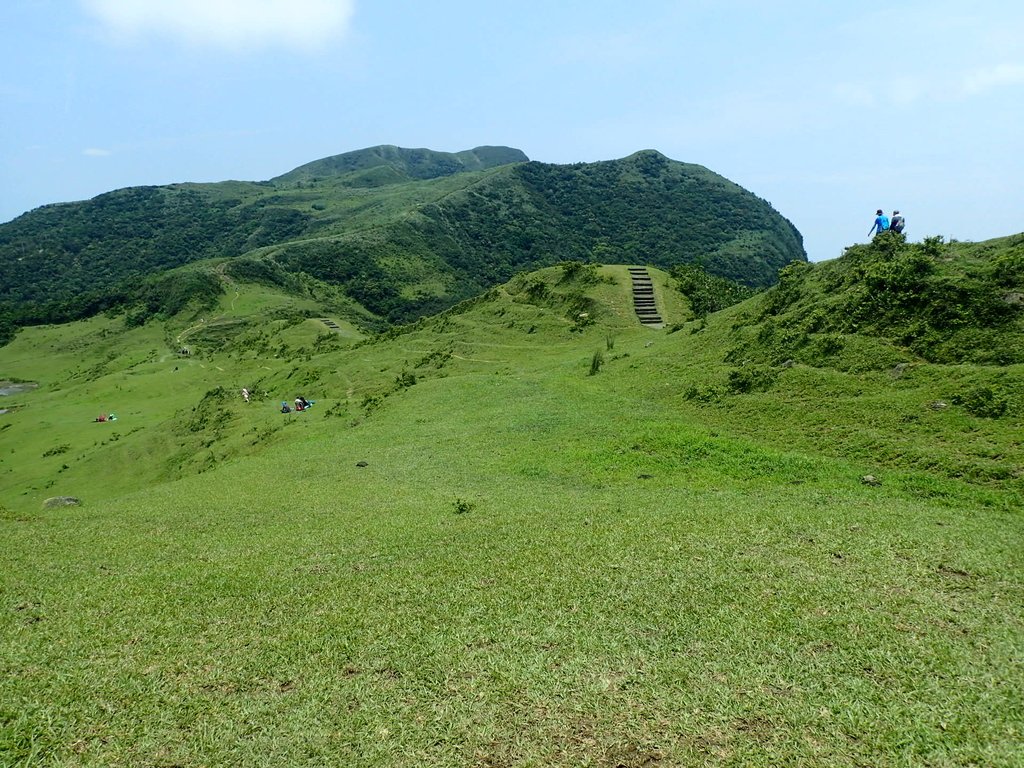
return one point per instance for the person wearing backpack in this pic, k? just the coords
(881, 223)
(897, 223)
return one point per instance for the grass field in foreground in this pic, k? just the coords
(534, 567)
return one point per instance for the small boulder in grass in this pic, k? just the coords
(1014, 298)
(362, 464)
(870, 480)
(55, 502)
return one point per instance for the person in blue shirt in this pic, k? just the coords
(881, 223)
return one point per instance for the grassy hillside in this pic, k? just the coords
(406, 233)
(528, 531)
(948, 303)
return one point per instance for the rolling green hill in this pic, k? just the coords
(527, 530)
(405, 233)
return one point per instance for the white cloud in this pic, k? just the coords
(96, 152)
(237, 25)
(615, 49)
(936, 88)
(984, 80)
(855, 94)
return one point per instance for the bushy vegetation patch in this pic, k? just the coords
(945, 303)
(169, 294)
(708, 293)
(983, 400)
(648, 209)
(752, 378)
(263, 271)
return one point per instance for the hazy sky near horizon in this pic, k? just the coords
(825, 110)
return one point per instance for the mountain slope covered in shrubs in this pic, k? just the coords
(406, 233)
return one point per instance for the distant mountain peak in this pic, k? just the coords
(405, 163)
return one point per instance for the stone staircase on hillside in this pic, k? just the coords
(643, 298)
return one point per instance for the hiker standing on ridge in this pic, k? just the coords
(897, 223)
(881, 223)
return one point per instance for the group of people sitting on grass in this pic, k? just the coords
(301, 404)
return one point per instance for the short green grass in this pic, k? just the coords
(471, 552)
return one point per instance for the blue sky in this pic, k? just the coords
(826, 110)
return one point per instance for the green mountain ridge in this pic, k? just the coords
(404, 232)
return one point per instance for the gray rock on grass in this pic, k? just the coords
(56, 502)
